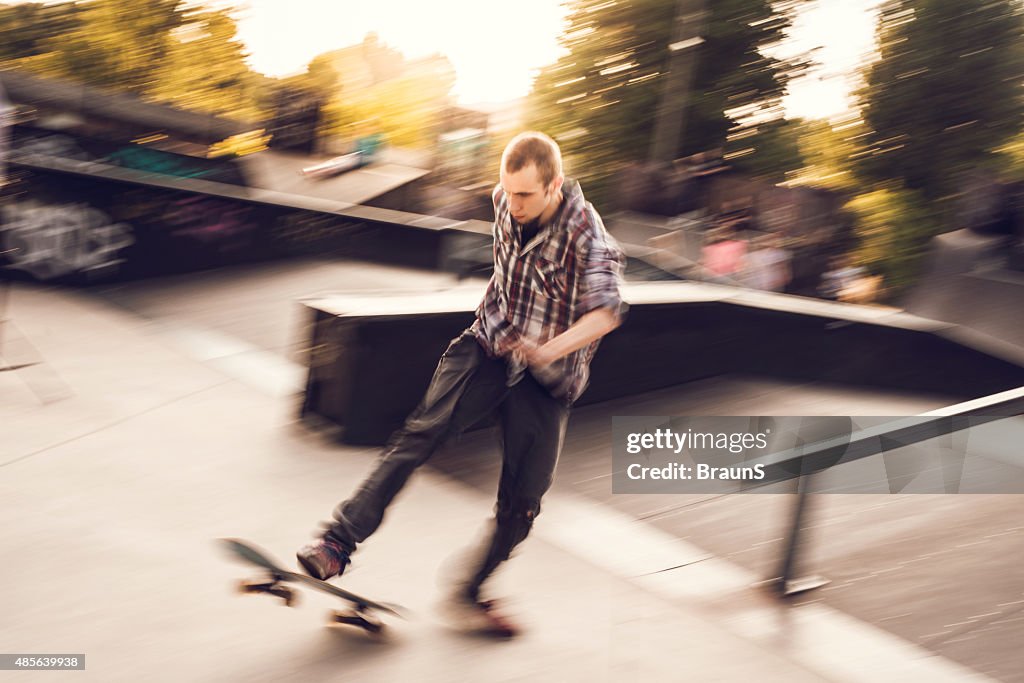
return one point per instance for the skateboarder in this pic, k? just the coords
(524, 360)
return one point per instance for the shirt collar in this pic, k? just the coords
(572, 196)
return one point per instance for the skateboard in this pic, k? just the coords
(361, 612)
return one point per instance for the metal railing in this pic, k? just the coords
(811, 459)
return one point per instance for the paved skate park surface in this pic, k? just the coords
(160, 415)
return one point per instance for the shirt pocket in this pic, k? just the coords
(549, 278)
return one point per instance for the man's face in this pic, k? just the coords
(527, 196)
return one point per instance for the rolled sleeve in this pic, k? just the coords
(602, 278)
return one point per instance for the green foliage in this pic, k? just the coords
(118, 44)
(946, 91)
(944, 98)
(26, 28)
(769, 150)
(240, 145)
(893, 226)
(600, 100)
(160, 50)
(204, 68)
(828, 151)
(1009, 160)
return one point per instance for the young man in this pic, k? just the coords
(525, 360)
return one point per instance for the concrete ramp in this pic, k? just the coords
(967, 284)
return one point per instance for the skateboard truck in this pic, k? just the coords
(359, 616)
(273, 587)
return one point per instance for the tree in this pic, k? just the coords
(601, 98)
(118, 44)
(827, 150)
(26, 29)
(374, 89)
(1009, 161)
(892, 227)
(946, 91)
(161, 50)
(204, 68)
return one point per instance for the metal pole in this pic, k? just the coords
(5, 293)
(785, 584)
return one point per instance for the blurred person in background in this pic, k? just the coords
(525, 360)
(724, 255)
(845, 281)
(834, 279)
(767, 266)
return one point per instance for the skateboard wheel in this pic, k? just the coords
(286, 594)
(343, 617)
(373, 628)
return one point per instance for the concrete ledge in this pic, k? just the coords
(222, 225)
(372, 356)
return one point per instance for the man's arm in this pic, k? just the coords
(589, 328)
(603, 264)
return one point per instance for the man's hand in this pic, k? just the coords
(590, 327)
(532, 355)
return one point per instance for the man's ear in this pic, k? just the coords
(556, 184)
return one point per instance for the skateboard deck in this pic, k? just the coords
(361, 610)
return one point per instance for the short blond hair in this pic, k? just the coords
(534, 148)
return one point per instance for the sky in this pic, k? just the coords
(497, 48)
(841, 34)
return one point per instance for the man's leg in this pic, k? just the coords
(466, 386)
(533, 428)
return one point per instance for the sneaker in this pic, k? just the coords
(480, 616)
(323, 558)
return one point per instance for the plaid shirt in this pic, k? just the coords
(571, 267)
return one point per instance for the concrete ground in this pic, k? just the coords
(161, 416)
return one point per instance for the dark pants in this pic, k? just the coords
(468, 386)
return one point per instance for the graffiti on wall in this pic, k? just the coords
(61, 146)
(303, 230)
(208, 220)
(54, 240)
